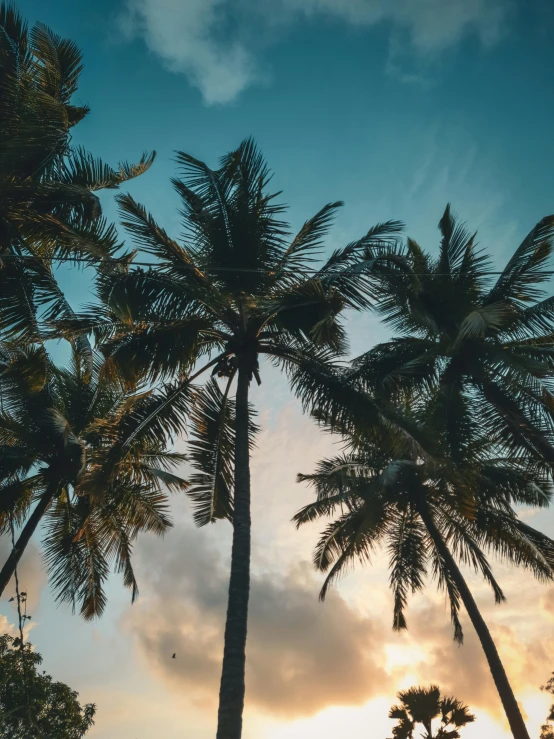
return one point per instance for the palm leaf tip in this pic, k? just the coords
(130, 171)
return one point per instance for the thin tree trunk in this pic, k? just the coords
(500, 678)
(231, 691)
(28, 530)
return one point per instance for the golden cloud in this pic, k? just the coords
(302, 655)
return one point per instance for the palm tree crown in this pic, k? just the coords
(48, 207)
(422, 706)
(236, 283)
(60, 436)
(484, 348)
(386, 501)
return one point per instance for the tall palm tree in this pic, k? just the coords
(63, 464)
(235, 288)
(423, 705)
(48, 207)
(432, 514)
(483, 345)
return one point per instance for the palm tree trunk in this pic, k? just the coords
(500, 678)
(231, 691)
(28, 530)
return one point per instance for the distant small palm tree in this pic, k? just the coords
(424, 705)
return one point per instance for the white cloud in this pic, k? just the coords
(432, 25)
(213, 42)
(184, 34)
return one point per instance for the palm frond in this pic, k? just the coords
(61, 62)
(74, 557)
(524, 272)
(445, 580)
(212, 444)
(407, 561)
(454, 245)
(309, 312)
(308, 242)
(211, 454)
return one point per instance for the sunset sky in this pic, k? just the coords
(395, 107)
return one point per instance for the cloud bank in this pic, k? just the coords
(302, 655)
(216, 43)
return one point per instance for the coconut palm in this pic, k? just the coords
(432, 515)
(63, 463)
(483, 345)
(48, 208)
(421, 706)
(234, 288)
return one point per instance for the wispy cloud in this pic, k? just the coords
(215, 42)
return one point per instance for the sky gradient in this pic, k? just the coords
(396, 108)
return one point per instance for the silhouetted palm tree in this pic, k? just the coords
(48, 208)
(483, 347)
(423, 706)
(236, 287)
(431, 514)
(63, 461)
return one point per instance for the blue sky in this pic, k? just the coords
(328, 102)
(396, 108)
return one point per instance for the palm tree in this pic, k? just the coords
(236, 287)
(48, 208)
(432, 514)
(422, 706)
(62, 452)
(483, 347)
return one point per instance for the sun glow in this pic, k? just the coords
(368, 720)
(403, 655)
(372, 720)
(536, 707)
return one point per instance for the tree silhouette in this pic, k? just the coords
(432, 514)
(48, 205)
(32, 705)
(547, 729)
(234, 289)
(63, 462)
(423, 706)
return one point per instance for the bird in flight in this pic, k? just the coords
(174, 655)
